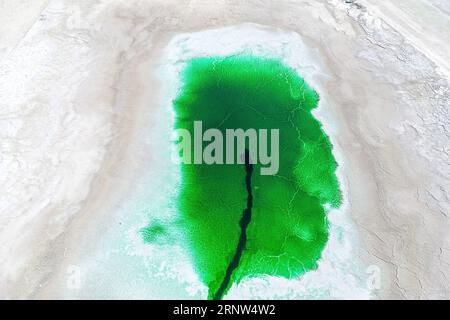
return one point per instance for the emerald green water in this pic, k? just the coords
(288, 228)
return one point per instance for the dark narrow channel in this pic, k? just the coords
(245, 221)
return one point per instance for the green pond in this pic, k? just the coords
(236, 222)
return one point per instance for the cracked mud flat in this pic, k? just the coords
(83, 114)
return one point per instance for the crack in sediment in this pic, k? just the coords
(245, 221)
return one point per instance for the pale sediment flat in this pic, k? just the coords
(83, 121)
